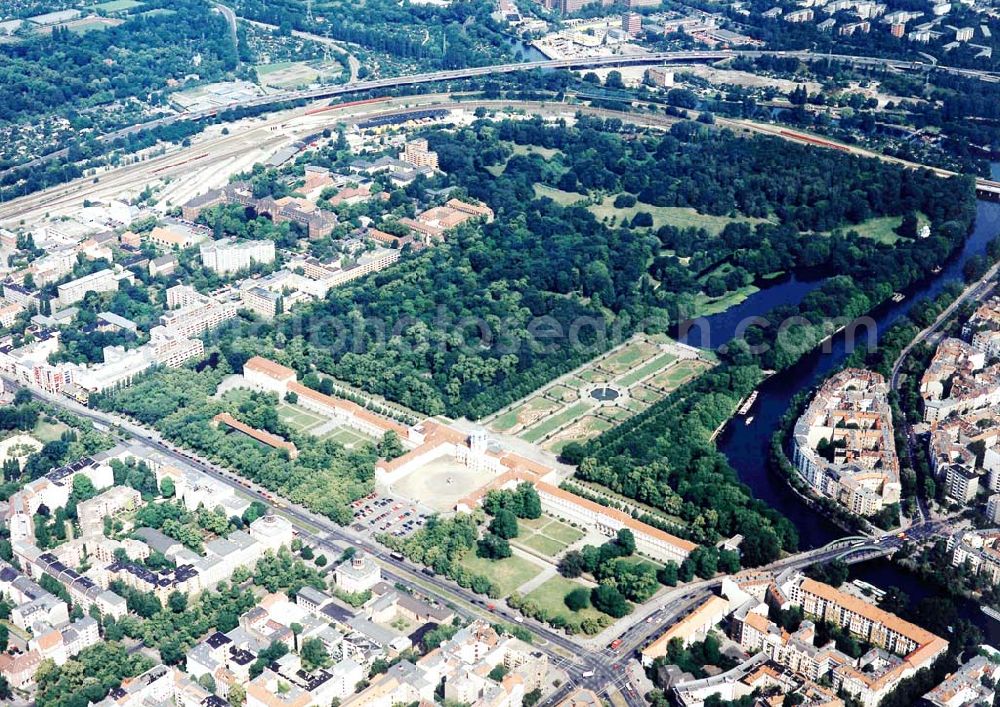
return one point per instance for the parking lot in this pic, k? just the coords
(382, 513)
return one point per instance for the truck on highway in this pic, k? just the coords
(615, 644)
(588, 673)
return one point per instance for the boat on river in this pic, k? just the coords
(748, 403)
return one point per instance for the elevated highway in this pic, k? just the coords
(652, 58)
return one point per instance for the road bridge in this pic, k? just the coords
(595, 668)
(651, 58)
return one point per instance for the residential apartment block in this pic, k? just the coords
(416, 152)
(101, 281)
(844, 446)
(900, 648)
(957, 381)
(228, 255)
(969, 685)
(977, 550)
(192, 314)
(462, 664)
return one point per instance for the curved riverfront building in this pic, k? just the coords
(843, 443)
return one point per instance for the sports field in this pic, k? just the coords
(117, 6)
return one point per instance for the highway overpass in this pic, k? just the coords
(649, 59)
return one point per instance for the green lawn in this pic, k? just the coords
(265, 69)
(562, 392)
(545, 152)
(636, 405)
(883, 228)
(298, 417)
(507, 420)
(644, 394)
(680, 216)
(589, 375)
(236, 395)
(705, 306)
(550, 594)
(639, 560)
(618, 413)
(117, 6)
(626, 357)
(554, 422)
(546, 535)
(533, 523)
(346, 437)
(682, 371)
(507, 574)
(647, 369)
(542, 544)
(48, 431)
(563, 198)
(306, 422)
(562, 532)
(99, 24)
(677, 374)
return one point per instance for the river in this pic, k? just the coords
(884, 574)
(528, 52)
(745, 445)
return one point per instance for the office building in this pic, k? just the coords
(632, 24)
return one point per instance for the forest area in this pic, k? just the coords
(460, 34)
(71, 72)
(542, 260)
